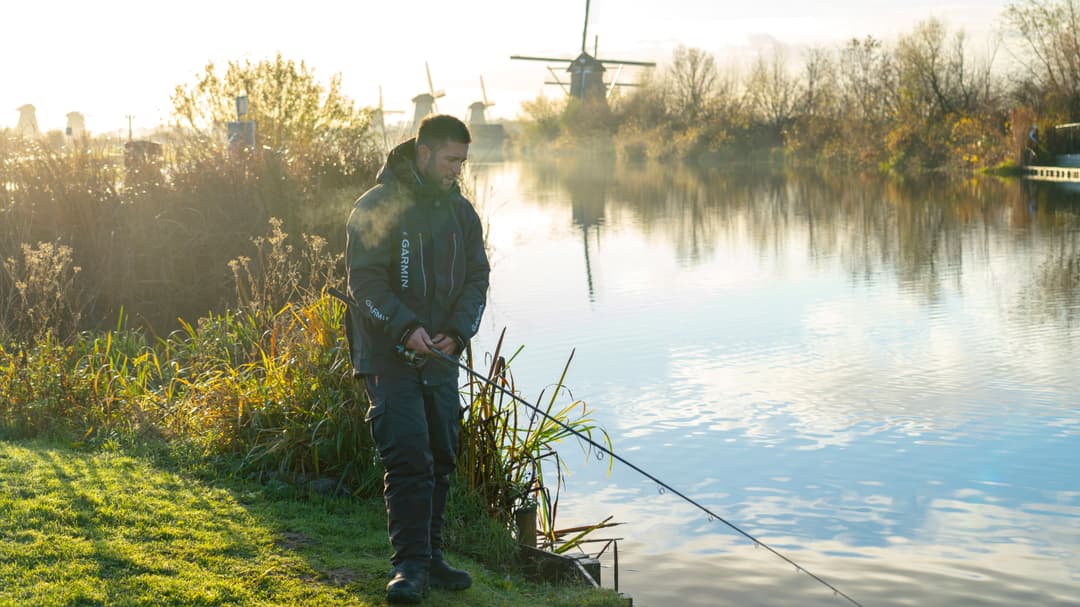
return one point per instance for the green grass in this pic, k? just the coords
(109, 528)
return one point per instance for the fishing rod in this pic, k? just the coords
(412, 356)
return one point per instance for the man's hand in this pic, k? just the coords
(445, 344)
(419, 341)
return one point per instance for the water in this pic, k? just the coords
(878, 379)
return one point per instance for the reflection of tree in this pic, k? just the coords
(1058, 285)
(1054, 210)
(917, 229)
(1054, 292)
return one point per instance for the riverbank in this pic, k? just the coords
(106, 527)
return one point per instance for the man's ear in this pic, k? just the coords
(423, 152)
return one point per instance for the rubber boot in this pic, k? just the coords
(409, 583)
(445, 577)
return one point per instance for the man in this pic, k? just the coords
(418, 269)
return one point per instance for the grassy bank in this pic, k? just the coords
(264, 390)
(109, 528)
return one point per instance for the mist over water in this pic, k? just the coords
(876, 378)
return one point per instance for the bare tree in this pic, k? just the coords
(772, 91)
(937, 75)
(1049, 35)
(868, 81)
(819, 84)
(692, 78)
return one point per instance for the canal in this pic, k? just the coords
(876, 377)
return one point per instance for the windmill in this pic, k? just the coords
(378, 119)
(424, 103)
(76, 125)
(28, 124)
(488, 138)
(587, 71)
(478, 109)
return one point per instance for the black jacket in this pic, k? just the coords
(415, 256)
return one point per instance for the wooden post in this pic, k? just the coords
(525, 520)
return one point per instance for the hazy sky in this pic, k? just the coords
(111, 58)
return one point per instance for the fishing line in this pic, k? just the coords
(664, 487)
(660, 484)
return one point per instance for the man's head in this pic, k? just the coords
(442, 145)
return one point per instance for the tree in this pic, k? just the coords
(645, 106)
(936, 75)
(692, 79)
(772, 91)
(819, 84)
(867, 81)
(1049, 35)
(316, 128)
(540, 123)
(945, 113)
(817, 129)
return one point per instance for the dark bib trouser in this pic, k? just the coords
(416, 428)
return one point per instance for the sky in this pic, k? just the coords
(112, 59)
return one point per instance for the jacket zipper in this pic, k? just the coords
(453, 259)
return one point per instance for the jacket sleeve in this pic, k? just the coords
(369, 254)
(465, 319)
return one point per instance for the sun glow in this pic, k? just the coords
(112, 60)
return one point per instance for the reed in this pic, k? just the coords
(279, 400)
(508, 452)
(268, 385)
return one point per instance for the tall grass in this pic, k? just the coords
(38, 298)
(267, 381)
(268, 385)
(155, 238)
(507, 446)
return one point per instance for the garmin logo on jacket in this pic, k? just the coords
(405, 263)
(375, 312)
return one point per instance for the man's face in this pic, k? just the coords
(442, 166)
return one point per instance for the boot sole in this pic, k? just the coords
(410, 598)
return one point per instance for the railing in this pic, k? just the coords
(1052, 173)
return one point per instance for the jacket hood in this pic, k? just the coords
(400, 167)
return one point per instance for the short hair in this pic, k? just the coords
(435, 131)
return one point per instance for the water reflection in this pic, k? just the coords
(877, 377)
(586, 182)
(917, 229)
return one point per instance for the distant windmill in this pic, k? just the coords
(488, 138)
(76, 125)
(424, 103)
(378, 120)
(27, 126)
(478, 109)
(586, 71)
